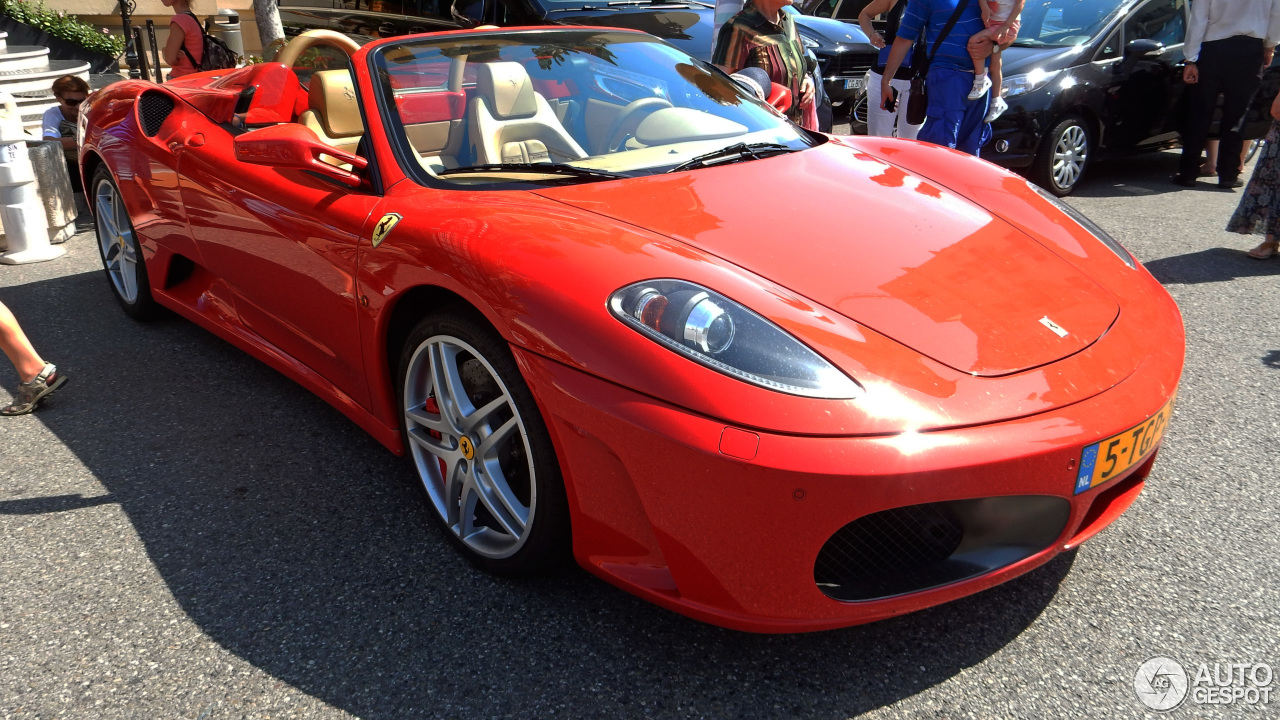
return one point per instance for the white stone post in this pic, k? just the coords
(21, 212)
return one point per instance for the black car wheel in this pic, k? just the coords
(118, 247)
(1064, 156)
(482, 453)
(1253, 147)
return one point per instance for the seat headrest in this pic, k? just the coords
(333, 98)
(508, 85)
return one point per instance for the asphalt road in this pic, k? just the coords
(185, 533)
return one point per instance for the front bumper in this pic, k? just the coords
(1017, 133)
(844, 74)
(725, 524)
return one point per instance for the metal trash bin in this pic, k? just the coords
(226, 27)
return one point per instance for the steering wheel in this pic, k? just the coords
(629, 119)
(300, 44)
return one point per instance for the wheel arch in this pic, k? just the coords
(89, 165)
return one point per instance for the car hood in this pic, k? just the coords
(686, 27)
(1017, 60)
(884, 247)
(833, 31)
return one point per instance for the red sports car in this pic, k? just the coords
(610, 304)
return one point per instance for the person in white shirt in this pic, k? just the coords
(1228, 44)
(59, 121)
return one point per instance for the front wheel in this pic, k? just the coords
(119, 249)
(482, 453)
(1064, 156)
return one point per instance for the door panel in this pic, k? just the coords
(285, 243)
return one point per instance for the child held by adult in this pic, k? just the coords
(1002, 20)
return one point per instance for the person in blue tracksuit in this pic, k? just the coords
(952, 119)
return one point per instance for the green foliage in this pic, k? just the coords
(63, 26)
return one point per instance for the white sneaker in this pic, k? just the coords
(981, 85)
(998, 106)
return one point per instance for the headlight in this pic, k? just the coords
(1016, 85)
(808, 41)
(713, 330)
(1087, 224)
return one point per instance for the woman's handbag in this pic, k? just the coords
(918, 102)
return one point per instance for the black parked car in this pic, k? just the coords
(1090, 79)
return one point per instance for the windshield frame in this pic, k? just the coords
(407, 159)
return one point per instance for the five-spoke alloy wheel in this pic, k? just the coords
(119, 249)
(1063, 156)
(479, 445)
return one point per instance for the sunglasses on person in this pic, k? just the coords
(73, 101)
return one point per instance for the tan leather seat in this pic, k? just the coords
(333, 114)
(511, 123)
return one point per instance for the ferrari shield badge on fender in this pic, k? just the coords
(384, 226)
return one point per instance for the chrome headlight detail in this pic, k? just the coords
(721, 334)
(1087, 224)
(1016, 85)
(808, 41)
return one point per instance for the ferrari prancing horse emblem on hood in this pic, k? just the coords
(384, 226)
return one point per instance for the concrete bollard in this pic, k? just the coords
(26, 228)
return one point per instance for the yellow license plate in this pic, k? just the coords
(1103, 461)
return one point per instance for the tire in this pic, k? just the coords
(1064, 156)
(118, 248)
(502, 501)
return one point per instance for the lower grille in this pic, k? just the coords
(918, 547)
(849, 64)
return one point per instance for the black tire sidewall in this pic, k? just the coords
(143, 307)
(548, 545)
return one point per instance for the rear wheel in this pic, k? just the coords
(119, 249)
(1064, 156)
(482, 453)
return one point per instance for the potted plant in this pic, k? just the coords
(66, 36)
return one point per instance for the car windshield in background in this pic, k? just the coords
(1064, 22)
(565, 106)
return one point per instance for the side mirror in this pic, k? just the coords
(780, 97)
(295, 146)
(1142, 48)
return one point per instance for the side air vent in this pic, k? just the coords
(153, 108)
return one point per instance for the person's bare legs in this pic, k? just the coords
(15, 344)
(1210, 166)
(979, 48)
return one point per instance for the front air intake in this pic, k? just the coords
(153, 108)
(918, 547)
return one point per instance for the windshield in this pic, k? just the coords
(1064, 22)
(550, 104)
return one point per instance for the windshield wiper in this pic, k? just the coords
(534, 168)
(734, 153)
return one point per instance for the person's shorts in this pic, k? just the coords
(1010, 36)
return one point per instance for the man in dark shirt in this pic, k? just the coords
(952, 118)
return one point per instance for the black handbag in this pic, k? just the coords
(918, 102)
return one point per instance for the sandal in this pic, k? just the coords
(31, 393)
(1265, 250)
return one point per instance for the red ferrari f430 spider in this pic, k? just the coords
(613, 306)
